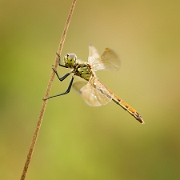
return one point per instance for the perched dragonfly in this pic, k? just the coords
(91, 89)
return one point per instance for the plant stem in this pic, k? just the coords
(40, 118)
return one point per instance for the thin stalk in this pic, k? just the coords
(40, 118)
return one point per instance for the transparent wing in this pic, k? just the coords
(78, 85)
(103, 95)
(94, 93)
(87, 91)
(89, 95)
(108, 60)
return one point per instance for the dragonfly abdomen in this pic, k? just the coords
(128, 108)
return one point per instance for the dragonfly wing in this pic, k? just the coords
(103, 95)
(78, 85)
(94, 57)
(89, 95)
(108, 60)
(94, 92)
(87, 91)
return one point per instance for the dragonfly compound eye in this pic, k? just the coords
(70, 60)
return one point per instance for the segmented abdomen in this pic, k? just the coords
(128, 108)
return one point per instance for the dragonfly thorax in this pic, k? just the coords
(70, 60)
(83, 70)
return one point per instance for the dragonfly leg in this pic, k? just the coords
(66, 92)
(59, 62)
(61, 78)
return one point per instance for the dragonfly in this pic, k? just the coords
(90, 87)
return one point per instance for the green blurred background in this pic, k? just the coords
(77, 141)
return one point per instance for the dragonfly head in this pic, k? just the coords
(70, 60)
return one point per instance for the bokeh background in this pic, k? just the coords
(77, 141)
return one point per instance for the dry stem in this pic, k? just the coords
(40, 118)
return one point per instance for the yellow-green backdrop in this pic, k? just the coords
(77, 141)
